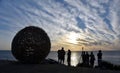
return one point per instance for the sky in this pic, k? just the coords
(72, 24)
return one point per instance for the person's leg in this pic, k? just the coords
(60, 61)
(68, 63)
(92, 64)
(99, 63)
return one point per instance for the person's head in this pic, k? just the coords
(69, 50)
(99, 51)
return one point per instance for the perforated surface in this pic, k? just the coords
(31, 45)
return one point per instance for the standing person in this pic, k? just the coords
(59, 59)
(92, 59)
(69, 58)
(99, 56)
(83, 56)
(62, 55)
(87, 59)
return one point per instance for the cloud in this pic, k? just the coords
(96, 22)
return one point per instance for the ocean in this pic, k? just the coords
(110, 56)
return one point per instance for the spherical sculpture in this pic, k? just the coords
(31, 45)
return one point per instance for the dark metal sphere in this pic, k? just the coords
(31, 45)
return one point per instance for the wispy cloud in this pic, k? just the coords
(96, 22)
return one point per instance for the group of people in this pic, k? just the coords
(61, 56)
(88, 60)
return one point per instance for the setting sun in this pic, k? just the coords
(72, 38)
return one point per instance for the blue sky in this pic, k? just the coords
(93, 24)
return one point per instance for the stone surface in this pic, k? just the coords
(31, 45)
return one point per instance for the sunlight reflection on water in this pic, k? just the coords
(74, 58)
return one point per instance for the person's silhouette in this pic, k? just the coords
(62, 55)
(99, 56)
(69, 58)
(59, 58)
(83, 57)
(92, 59)
(87, 59)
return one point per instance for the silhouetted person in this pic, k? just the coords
(62, 55)
(69, 58)
(99, 56)
(92, 59)
(87, 59)
(59, 56)
(83, 57)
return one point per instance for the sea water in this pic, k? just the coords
(110, 56)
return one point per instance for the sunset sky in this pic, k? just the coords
(72, 24)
